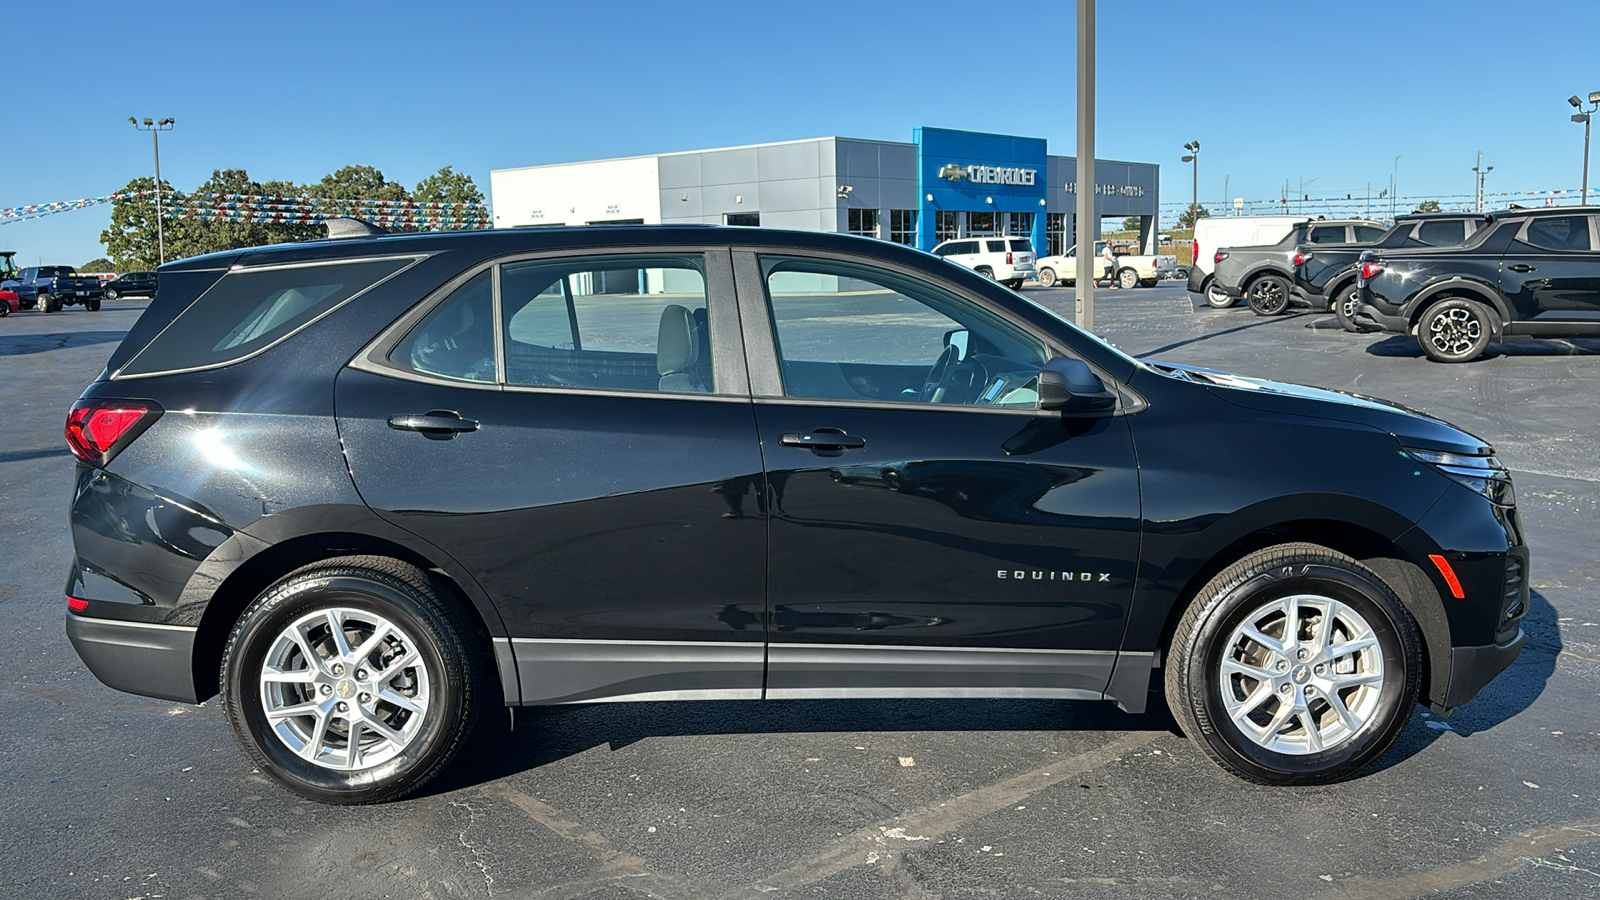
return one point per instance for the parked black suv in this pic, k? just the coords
(367, 487)
(131, 284)
(1263, 275)
(1529, 272)
(1325, 274)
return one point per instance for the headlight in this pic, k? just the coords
(1482, 474)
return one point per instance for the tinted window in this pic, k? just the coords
(626, 323)
(1559, 232)
(996, 246)
(249, 310)
(1368, 233)
(1327, 234)
(852, 332)
(456, 340)
(1021, 247)
(1442, 234)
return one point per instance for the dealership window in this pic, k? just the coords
(1054, 229)
(1021, 223)
(903, 226)
(752, 220)
(946, 225)
(863, 222)
(981, 223)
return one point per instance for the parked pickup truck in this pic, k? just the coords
(1263, 275)
(1532, 272)
(52, 287)
(1325, 274)
(1131, 270)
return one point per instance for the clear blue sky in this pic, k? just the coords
(293, 90)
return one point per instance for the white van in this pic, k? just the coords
(1211, 234)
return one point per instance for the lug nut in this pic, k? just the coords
(1302, 654)
(1311, 691)
(361, 674)
(1283, 665)
(338, 669)
(326, 690)
(366, 698)
(343, 706)
(1285, 688)
(1321, 669)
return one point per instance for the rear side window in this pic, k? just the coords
(1559, 233)
(1442, 234)
(1327, 234)
(997, 246)
(1368, 233)
(249, 310)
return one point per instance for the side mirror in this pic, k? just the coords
(957, 338)
(1072, 387)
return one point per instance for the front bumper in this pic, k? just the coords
(139, 658)
(1471, 668)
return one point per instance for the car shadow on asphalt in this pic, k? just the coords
(1406, 347)
(1508, 695)
(23, 344)
(547, 734)
(1256, 322)
(24, 455)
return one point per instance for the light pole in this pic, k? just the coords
(1581, 116)
(1482, 175)
(155, 128)
(1194, 157)
(1394, 185)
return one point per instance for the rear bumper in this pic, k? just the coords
(153, 660)
(1371, 317)
(1197, 280)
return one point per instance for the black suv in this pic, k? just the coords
(1263, 275)
(1527, 272)
(131, 284)
(1327, 273)
(366, 488)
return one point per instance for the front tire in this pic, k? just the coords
(1127, 279)
(1346, 300)
(1047, 277)
(1455, 329)
(1295, 665)
(1268, 295)
(111, 294)
(48, 303)
(1216, 297)
(354, 680)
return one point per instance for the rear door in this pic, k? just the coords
(932, 532)
(1551, 271)
(576, 431)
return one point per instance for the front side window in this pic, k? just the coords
(1559, 233)
(852, 332)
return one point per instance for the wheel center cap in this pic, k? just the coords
(345, 689)
(1301, 674)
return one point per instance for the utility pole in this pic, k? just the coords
(1394, 185)
(155, 128)
(1584, 117)
(1482, 177)
(1085, 224)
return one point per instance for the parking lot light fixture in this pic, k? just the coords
(1194, 157)
(1584, 116)
(155, 128)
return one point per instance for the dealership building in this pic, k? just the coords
(941, 185)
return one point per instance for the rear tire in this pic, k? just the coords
(1216, 297)
(1268, 295)
(5, 309)
(1455, 330)
(92, 304)
(986, 272)
(1260, 678)
(1346, 300)
(111, 293)
(1127, 279)
(373, 649)
(1015, 284)
(1047, 277)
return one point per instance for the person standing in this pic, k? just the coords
(1110, 259)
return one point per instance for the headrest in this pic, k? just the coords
(677, 341)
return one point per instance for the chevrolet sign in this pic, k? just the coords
(988, 174)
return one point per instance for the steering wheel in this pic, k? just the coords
(940, 377)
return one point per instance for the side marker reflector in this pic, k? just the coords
(1443, 565)
(76, 605)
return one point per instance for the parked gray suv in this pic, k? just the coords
(1264, 275)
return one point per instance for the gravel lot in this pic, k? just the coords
(109, 795)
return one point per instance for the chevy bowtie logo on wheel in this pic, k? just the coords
(953, 172)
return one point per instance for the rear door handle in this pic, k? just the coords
(1520, 268)
(439, 424)
(822, 439)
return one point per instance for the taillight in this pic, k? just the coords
(1221, 255)
(76, 605)
(1008, 259)
(97, 429)
(1194, 251)
(1370, 270)
(1300, 258)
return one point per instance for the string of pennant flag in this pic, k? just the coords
(255, 208)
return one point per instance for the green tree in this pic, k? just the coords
(98, 265)
(1428, 206)
(214, 236)
(1195, 212)
(448, 186)
(1131, 223)
(131, 239)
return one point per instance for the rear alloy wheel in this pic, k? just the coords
(1127, 279)
(1455, 330)
(1047, 277)
(1346, 300)
(353, 681)
(1295, 665)
(1217, 298)
(1268, 295)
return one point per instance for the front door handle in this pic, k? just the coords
(1520, 267)
(438, 424)
(822, 439)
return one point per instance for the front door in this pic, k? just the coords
(1551, 272)
(932, 531)
(588, 452)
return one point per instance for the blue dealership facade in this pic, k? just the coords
(943, 184)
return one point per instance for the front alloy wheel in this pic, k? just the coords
(355, 680)
(1295, 665)
(1047, 277)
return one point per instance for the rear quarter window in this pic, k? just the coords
(249, 310)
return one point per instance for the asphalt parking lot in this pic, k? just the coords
(109, 795)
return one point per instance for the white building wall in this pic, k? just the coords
(578, 193)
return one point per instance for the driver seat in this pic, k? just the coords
(678, 343)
